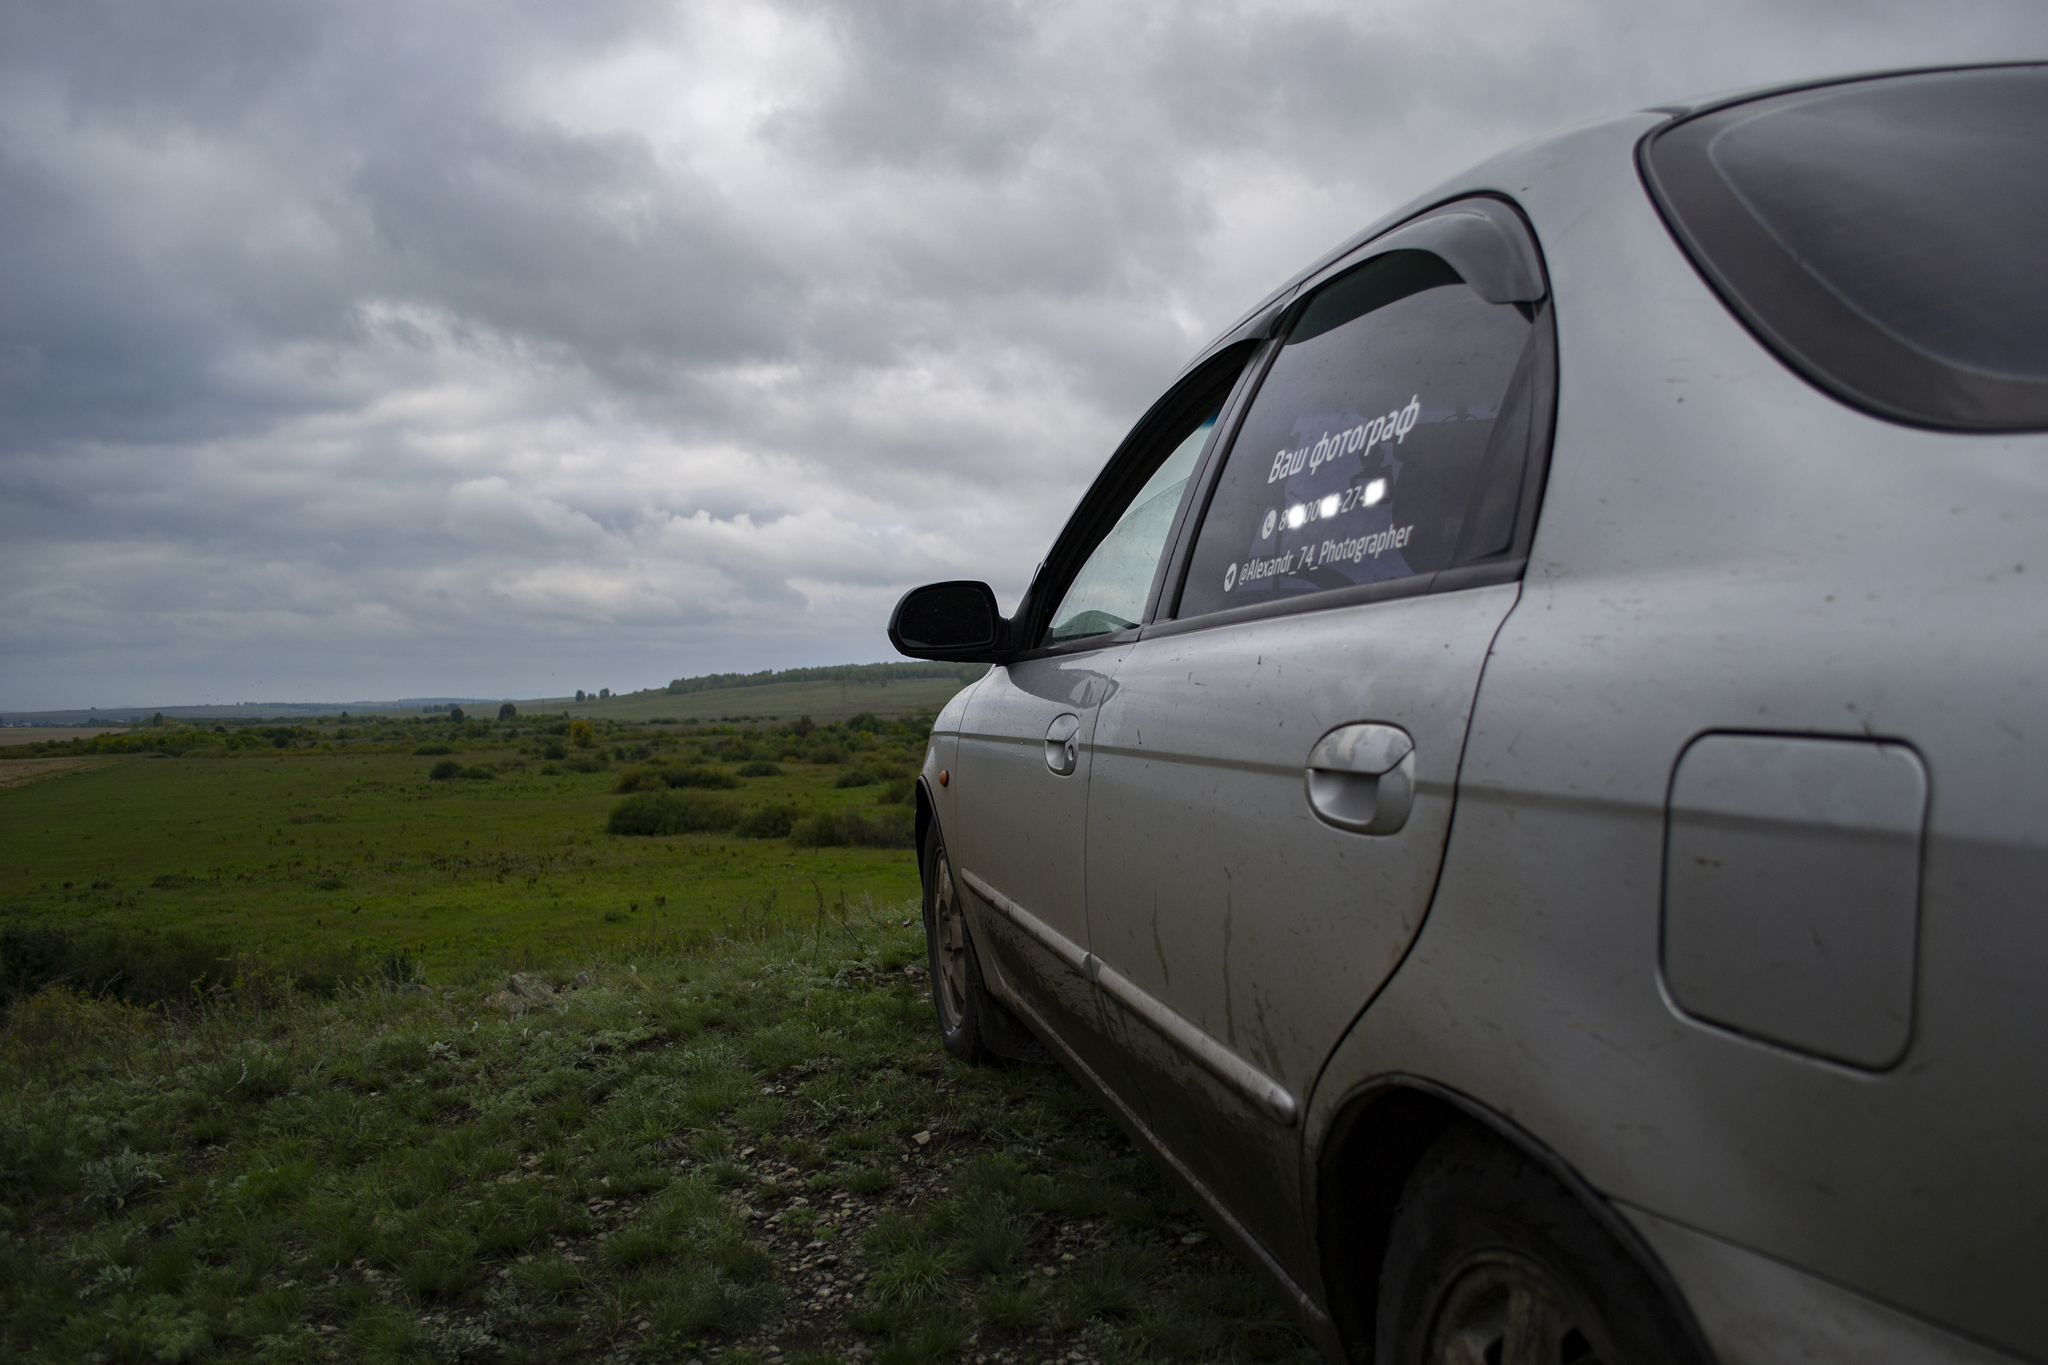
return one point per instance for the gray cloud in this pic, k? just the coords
(381, 350)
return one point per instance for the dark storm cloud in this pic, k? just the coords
(388, 349)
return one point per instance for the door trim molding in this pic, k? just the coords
(1049, 938)
(1267, 1094)
(1312, 1315)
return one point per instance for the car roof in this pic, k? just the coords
(1722, 99)
(1472, 181)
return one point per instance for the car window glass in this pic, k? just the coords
(1884, 236)
(1109, 592)
(1377, 447)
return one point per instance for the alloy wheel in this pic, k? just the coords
(950, 929)
(1504, 1310)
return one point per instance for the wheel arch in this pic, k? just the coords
(1379, 1134)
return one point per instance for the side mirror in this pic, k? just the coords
(954, 622)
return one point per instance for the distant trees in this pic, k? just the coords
(579, 694)
(860, 674)
(508, 711)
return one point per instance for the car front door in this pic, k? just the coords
(1274, 767)
(1020, 781)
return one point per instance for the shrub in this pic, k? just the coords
(897, 793)
(639, 780)
(553, 750)
(478, 774)
(767, 822)
(891, 827)
(149, 967)
(580, 734)
(670, 812)
(857, 777)
(760, 767)
(699, 777)
(427, 749)
(508, 711)
(444, 770)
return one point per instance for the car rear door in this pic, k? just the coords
(1274, 767)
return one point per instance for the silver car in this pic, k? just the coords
(1522, 782)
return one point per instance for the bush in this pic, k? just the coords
(149, 968)
(639, 780)
(857, 777)
(897, 793)
(888, 828)
(508, 711)
(699, 777)
(444, 770)
(670, 812)
(428, 749)
(580, 734)
(760, 768)
(767, 822)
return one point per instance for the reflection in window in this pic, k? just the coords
(1108, 594)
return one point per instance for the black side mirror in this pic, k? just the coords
(955, 622)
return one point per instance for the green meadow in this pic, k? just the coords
(373, 1040)
(349, 846)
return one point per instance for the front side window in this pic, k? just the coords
(1108, 594)
(1385, 442)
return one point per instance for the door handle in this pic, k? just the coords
(1362, 778)
(1063, 744)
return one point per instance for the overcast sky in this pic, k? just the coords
(368, 350)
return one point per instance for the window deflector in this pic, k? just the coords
(1482, 239)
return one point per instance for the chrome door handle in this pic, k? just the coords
(1362, 778)
(1063, 744)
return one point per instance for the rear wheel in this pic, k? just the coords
(1492, 1261)
(957, 992)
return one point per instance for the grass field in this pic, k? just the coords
(537, 1092)
(282, 852)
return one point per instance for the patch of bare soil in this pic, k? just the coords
(23, 771)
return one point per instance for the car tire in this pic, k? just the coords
(958, 994)
(1491, 1258)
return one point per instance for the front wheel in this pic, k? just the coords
(957, 991)
(1492, 1261)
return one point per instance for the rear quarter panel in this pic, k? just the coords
(1723, 547)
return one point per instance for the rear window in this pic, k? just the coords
(1884, 236)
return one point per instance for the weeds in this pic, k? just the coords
(697, 1151)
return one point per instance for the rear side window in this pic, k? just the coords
(1886, 237)
(1386, 442)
